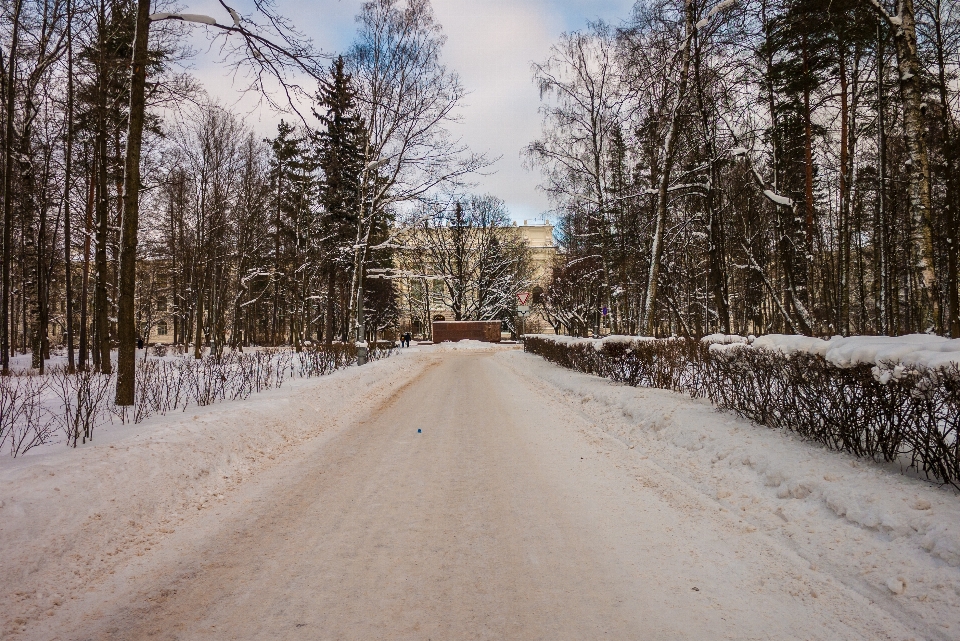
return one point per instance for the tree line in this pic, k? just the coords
(240, 239)
(755, 166)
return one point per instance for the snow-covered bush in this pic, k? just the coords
(35, 408)
(883, 410)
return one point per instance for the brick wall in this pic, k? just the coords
(486, 331)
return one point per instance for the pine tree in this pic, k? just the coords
(292, 173)
(340, 155)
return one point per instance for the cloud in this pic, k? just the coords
(490, 43)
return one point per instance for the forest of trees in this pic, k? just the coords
(756, 166)
(241, 240)
(745, 166)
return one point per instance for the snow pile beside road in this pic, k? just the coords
(466, 345)
(823, 503)
(560, 338)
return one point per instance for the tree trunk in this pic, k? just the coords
(807, 158)
(331, 294)
(950, 155)
(904, 29)
(33, 290)
(85, 283)
(68, 167)
(130, 222)
(716, 276)
(198, 335)
(8, 141)
(882, 270)
(656, 251)
(843, 267)
(100, 305)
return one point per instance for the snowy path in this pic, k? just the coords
(524, 510)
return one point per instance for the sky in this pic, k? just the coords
(491, 44)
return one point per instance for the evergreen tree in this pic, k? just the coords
(340, 155)
(293, 177)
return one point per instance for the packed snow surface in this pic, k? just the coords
(470, 493)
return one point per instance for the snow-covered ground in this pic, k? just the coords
(35, 407)
(68, 517)
(536, 496)
(895, 540)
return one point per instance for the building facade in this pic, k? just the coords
(420, 285)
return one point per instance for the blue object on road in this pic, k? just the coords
(419, 430)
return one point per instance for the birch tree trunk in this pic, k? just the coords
(904, 28)
(669, 145)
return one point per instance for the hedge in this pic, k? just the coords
(912, 419)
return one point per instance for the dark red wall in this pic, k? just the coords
(486, 331)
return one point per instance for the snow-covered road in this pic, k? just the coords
(533, 503)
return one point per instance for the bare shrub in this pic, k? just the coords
(25, 422)
(913, 418)
(34, 407)
(83, 402)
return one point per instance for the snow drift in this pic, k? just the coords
(878, 399)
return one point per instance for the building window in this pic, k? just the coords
(162, 328)
(161, 304)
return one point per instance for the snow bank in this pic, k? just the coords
(916, 350)
(789, 467)
(725, 339)
(560, 339)
(869, 522)
(464, 345)
(789, 344)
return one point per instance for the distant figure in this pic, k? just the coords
(139, 343)
(406, 338)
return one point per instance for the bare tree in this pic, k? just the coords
(407, 99)
(470, 248)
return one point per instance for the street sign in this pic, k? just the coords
(523, 297)
(523, 310)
